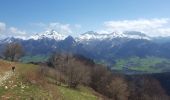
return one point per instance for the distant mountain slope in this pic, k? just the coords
(103, 48)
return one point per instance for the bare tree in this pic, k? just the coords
(57, 61)
(74, 70)
(100, 79)
(13, 51)
(77, 73)
(118, 89)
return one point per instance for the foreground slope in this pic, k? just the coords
(26, 83)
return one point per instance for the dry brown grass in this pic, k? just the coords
(34, 77)
(5, 66)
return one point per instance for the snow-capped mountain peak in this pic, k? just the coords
(90, 35)
(49, 34)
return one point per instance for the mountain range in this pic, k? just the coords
(99, 47)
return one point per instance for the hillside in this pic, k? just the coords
(27, 83)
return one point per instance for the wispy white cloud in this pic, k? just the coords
(61, 28)
(16, 31)
(2, 27)
(78, 26)
(6, 31)
(66, 29)
(152, 27)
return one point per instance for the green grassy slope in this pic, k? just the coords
(83, 93)
(17, 88)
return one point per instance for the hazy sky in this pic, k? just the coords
(24, 17)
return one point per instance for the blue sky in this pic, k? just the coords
(78, 16)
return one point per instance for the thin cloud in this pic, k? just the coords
(61, 28)
(2, 27)
(152, 27)
(78, 26)
(11, 31)
(65, 29)
(16, 31)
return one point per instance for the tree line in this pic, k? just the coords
(75, 70)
